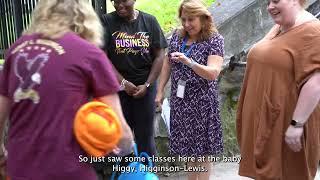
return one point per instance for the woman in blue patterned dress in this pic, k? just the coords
(194, 61)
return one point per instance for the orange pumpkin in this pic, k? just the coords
(97, 128)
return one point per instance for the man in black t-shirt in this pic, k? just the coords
(135, 43)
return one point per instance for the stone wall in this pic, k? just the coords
(244, 22)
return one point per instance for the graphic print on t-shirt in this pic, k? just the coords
(30, 57)
(27, 70)
(135, 44)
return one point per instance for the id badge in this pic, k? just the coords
(181, 88)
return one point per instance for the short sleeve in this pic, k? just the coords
(308, 61)
(158, 39)
(216, 44)
(102, 78)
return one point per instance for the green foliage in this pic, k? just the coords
(1, 62)
(228, 116)
(166, 11)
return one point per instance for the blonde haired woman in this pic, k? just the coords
(194, 61)
(49, 72)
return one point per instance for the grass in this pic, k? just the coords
(228, 117)
(166, 11)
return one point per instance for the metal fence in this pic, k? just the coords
(15, 16)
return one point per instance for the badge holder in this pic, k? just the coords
(181, 88)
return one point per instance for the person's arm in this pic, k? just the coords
(128, 86)
(4, 113)
(156, 65)
(126, 142)
(154, 72)
(164, 77)
(210, 71)
(308, 100)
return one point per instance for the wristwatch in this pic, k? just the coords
(147, 84)
(296, 124)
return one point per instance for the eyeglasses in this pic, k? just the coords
(118, 2)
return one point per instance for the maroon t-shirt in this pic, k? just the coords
(47, 81)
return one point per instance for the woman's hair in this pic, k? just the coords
(197, 8)
(53, 18)
(302, 2)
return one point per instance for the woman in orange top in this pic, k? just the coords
(278, 125)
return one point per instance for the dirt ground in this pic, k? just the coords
(221, 171)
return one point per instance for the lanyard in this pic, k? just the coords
(183, 47)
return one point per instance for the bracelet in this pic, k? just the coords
(123, 83)
(147, 84)
(192, 63)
